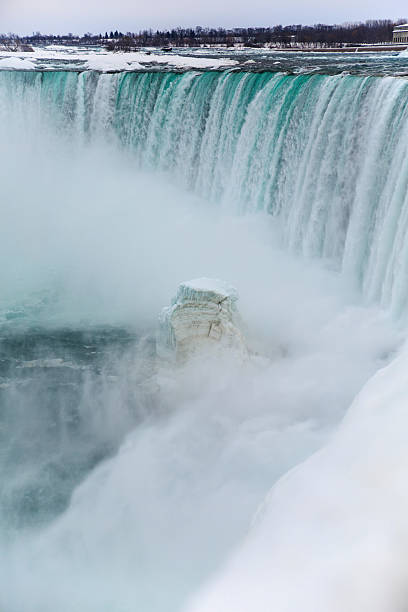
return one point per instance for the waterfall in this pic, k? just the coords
(326, 155)
(125, 482)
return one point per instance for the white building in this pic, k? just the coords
(400, 33)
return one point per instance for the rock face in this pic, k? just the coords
(203, 317)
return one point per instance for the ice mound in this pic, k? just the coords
(203, 316)
(332, 534)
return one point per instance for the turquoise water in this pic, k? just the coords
(327, 155)
(123, 478)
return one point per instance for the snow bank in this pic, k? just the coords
(180, 61)
(16, 63)
(332, 535)
(56, 57)
(133, 61)
(108, 63)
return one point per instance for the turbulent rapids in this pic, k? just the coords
(131, 482)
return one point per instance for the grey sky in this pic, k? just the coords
(78, 16)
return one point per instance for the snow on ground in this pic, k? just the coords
(61, 57)
(332, 534)
(16, 63)
(113, 61)
(54, 57)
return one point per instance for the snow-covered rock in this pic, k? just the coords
(202, 316)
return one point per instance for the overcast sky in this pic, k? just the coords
(79, 16)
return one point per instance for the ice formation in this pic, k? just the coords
(332, 534)
(203, 316)
(55, 57)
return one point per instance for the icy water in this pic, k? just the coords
(383, 63)
(66, 374)
(295, 62)
(126, 483)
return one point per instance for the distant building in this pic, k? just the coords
(400, 33)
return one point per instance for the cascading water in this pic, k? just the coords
(325, 154)
(124, 484)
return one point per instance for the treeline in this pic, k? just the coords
(373, 31)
